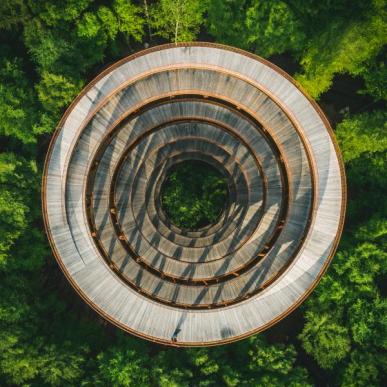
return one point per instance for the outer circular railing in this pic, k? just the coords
(102, 185)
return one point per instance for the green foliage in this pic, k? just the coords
(273, 365)
(329, 37)
(53, 365)
(15, 181)
(349, 295)
(128, 18)
(363, 143)
(363, 133)
(194, 195)
(346, 321)
(316, 15)
(252, 362)
(226, 21)
(73, 36)
(206, 364)
(368, 321)
(17, 105)
(178, 20)
(346, 48)
(327, 340)
(171, 370)
(366, 181)
(374, 73)
(266, 27)
(362, 369)
(273, 28)
(13, 222)
(56, 91)
(123, 366)
(52, 49)
(106, 23)
(53, 42)
(12, 13)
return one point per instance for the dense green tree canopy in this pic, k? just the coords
(178, 20)
(194, 194)
(18, 109)
(49, 50)
(347, 48)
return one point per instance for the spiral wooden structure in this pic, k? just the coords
(112, 152)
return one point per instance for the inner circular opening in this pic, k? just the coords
(194, 194)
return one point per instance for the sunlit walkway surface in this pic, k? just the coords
(112, 152)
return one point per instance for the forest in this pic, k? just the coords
(336, 51)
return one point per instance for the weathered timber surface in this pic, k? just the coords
(113, 150)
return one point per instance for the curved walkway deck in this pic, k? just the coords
(113, 150)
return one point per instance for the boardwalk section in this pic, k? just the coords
(112, 153)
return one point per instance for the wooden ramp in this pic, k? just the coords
(111, 154)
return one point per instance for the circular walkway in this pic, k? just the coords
(111, 154)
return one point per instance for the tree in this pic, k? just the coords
(56, 91)
(252, 362)
(327, 340)
(17, 102)
(363, 143)
(317, 15)
(346, 311)
(125, 364)
(13, 222)
(374, 73)
(129, 19)
(178, 20)
(265, 27)
(272, 28)
(171, 370)
(362, 133)
(274, 364)
(362, 369)
(345, 318)
(226, 22)
(49, 49)
(368, 321)
(16, 179)
(343, 48)
(194, 195)
(12, 13)
(74, 37)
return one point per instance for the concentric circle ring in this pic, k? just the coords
(103, 176)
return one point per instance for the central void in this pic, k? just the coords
(194, 194)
